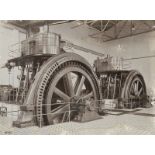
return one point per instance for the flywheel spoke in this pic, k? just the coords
(77, 82)
(88, 96)
(79, 89)
(132, 89)
(62, 94)
(57, 112)
(140, 91)
(135, 87)
(70, 84)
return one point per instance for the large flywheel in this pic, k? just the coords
(134, 90)
(68, 80)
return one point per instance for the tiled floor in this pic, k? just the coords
(142, 121)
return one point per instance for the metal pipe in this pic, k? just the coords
(149, 56)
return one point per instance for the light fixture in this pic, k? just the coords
(133, 27)
(153, 26)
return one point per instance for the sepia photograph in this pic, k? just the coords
(77, 77)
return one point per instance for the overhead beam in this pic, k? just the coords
(87, 50)
(103, 30)
(78, 25)
(95, 21)
(66, 43)
(104, 35)
(107, 36)
(143, 57)
(131, 35)
(121, 29)
(12, 27)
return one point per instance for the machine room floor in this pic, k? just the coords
(127, 122)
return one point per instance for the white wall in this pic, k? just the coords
(8, 37)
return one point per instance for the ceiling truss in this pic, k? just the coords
(103, 30)
(107, 30)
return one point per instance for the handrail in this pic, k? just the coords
(38, 43)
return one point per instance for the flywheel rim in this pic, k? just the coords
(69, 68)
(134, 98)
(136, 88)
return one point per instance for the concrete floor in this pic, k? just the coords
(138, 121)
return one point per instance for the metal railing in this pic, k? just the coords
(41, 43)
